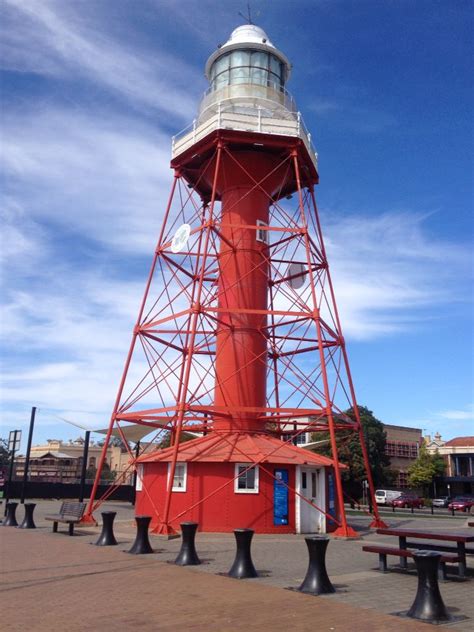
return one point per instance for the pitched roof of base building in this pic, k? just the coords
(238, 448)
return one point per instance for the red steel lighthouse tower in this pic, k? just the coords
(238, 338)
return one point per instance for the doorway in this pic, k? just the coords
(311, 485)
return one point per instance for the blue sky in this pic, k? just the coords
(92, 92)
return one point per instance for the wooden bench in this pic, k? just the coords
(383, 551)
(70, 513)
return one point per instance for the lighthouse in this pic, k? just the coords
(238, 331)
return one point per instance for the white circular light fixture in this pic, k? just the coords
(180, 238)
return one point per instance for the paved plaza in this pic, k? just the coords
(53, 581)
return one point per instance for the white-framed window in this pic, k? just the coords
(302, 438)
(246, 479)
(139, 481)
(262, 235)
(180, 477)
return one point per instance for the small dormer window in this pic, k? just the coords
(262, 235)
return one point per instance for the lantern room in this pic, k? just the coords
(245, 73)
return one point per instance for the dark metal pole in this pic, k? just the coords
(10, 471)
(85, 455)
(27, 457)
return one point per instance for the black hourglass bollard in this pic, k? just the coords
(28, 522)
(107, 537)
(187, 555)
(10, 517)
(317, 581)
(243, 566)
(142, 544)
(428, 605)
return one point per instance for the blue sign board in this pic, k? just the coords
(280, 497)
(331, 495)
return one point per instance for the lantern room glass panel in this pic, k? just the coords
(247, 67)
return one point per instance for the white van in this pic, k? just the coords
(385, 496)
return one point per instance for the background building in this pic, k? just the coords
(402, 446)
(458, 454)
(61, 461)
(51, 466)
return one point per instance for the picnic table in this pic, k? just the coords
(460, 540)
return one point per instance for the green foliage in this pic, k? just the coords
(350, 452)
(114, 442)
(4, 454)
(106, 475)
(166, 441)
(422, 472)
(439, 463)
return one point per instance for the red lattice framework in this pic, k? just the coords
(169, 376)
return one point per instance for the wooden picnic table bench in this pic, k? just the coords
(459, 539)
(383, 551)
(70, 513)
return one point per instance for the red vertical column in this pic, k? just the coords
(241, 351)
(247, 185)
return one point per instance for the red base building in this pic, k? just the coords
(218, 485)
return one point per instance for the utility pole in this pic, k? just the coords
(27, 457)
(85, 455)
(14, 439)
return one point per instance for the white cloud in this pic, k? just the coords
(388, 273)
(96, 175)
(449, 423)
(466, 414)
(75, 336)
(22, 239)
(58, 40)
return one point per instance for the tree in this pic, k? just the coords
(166, 440)
(439, 463)
(4, 453)
(106, 475)
(350, 453)
(422, 472)
(114, 442)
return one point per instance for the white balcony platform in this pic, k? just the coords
(249, 119)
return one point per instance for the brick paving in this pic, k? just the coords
(52, 581)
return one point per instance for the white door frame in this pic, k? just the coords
(321, 495)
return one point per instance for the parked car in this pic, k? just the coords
(385, 496)
(462, 503)
(409, 500)
(442, 501)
